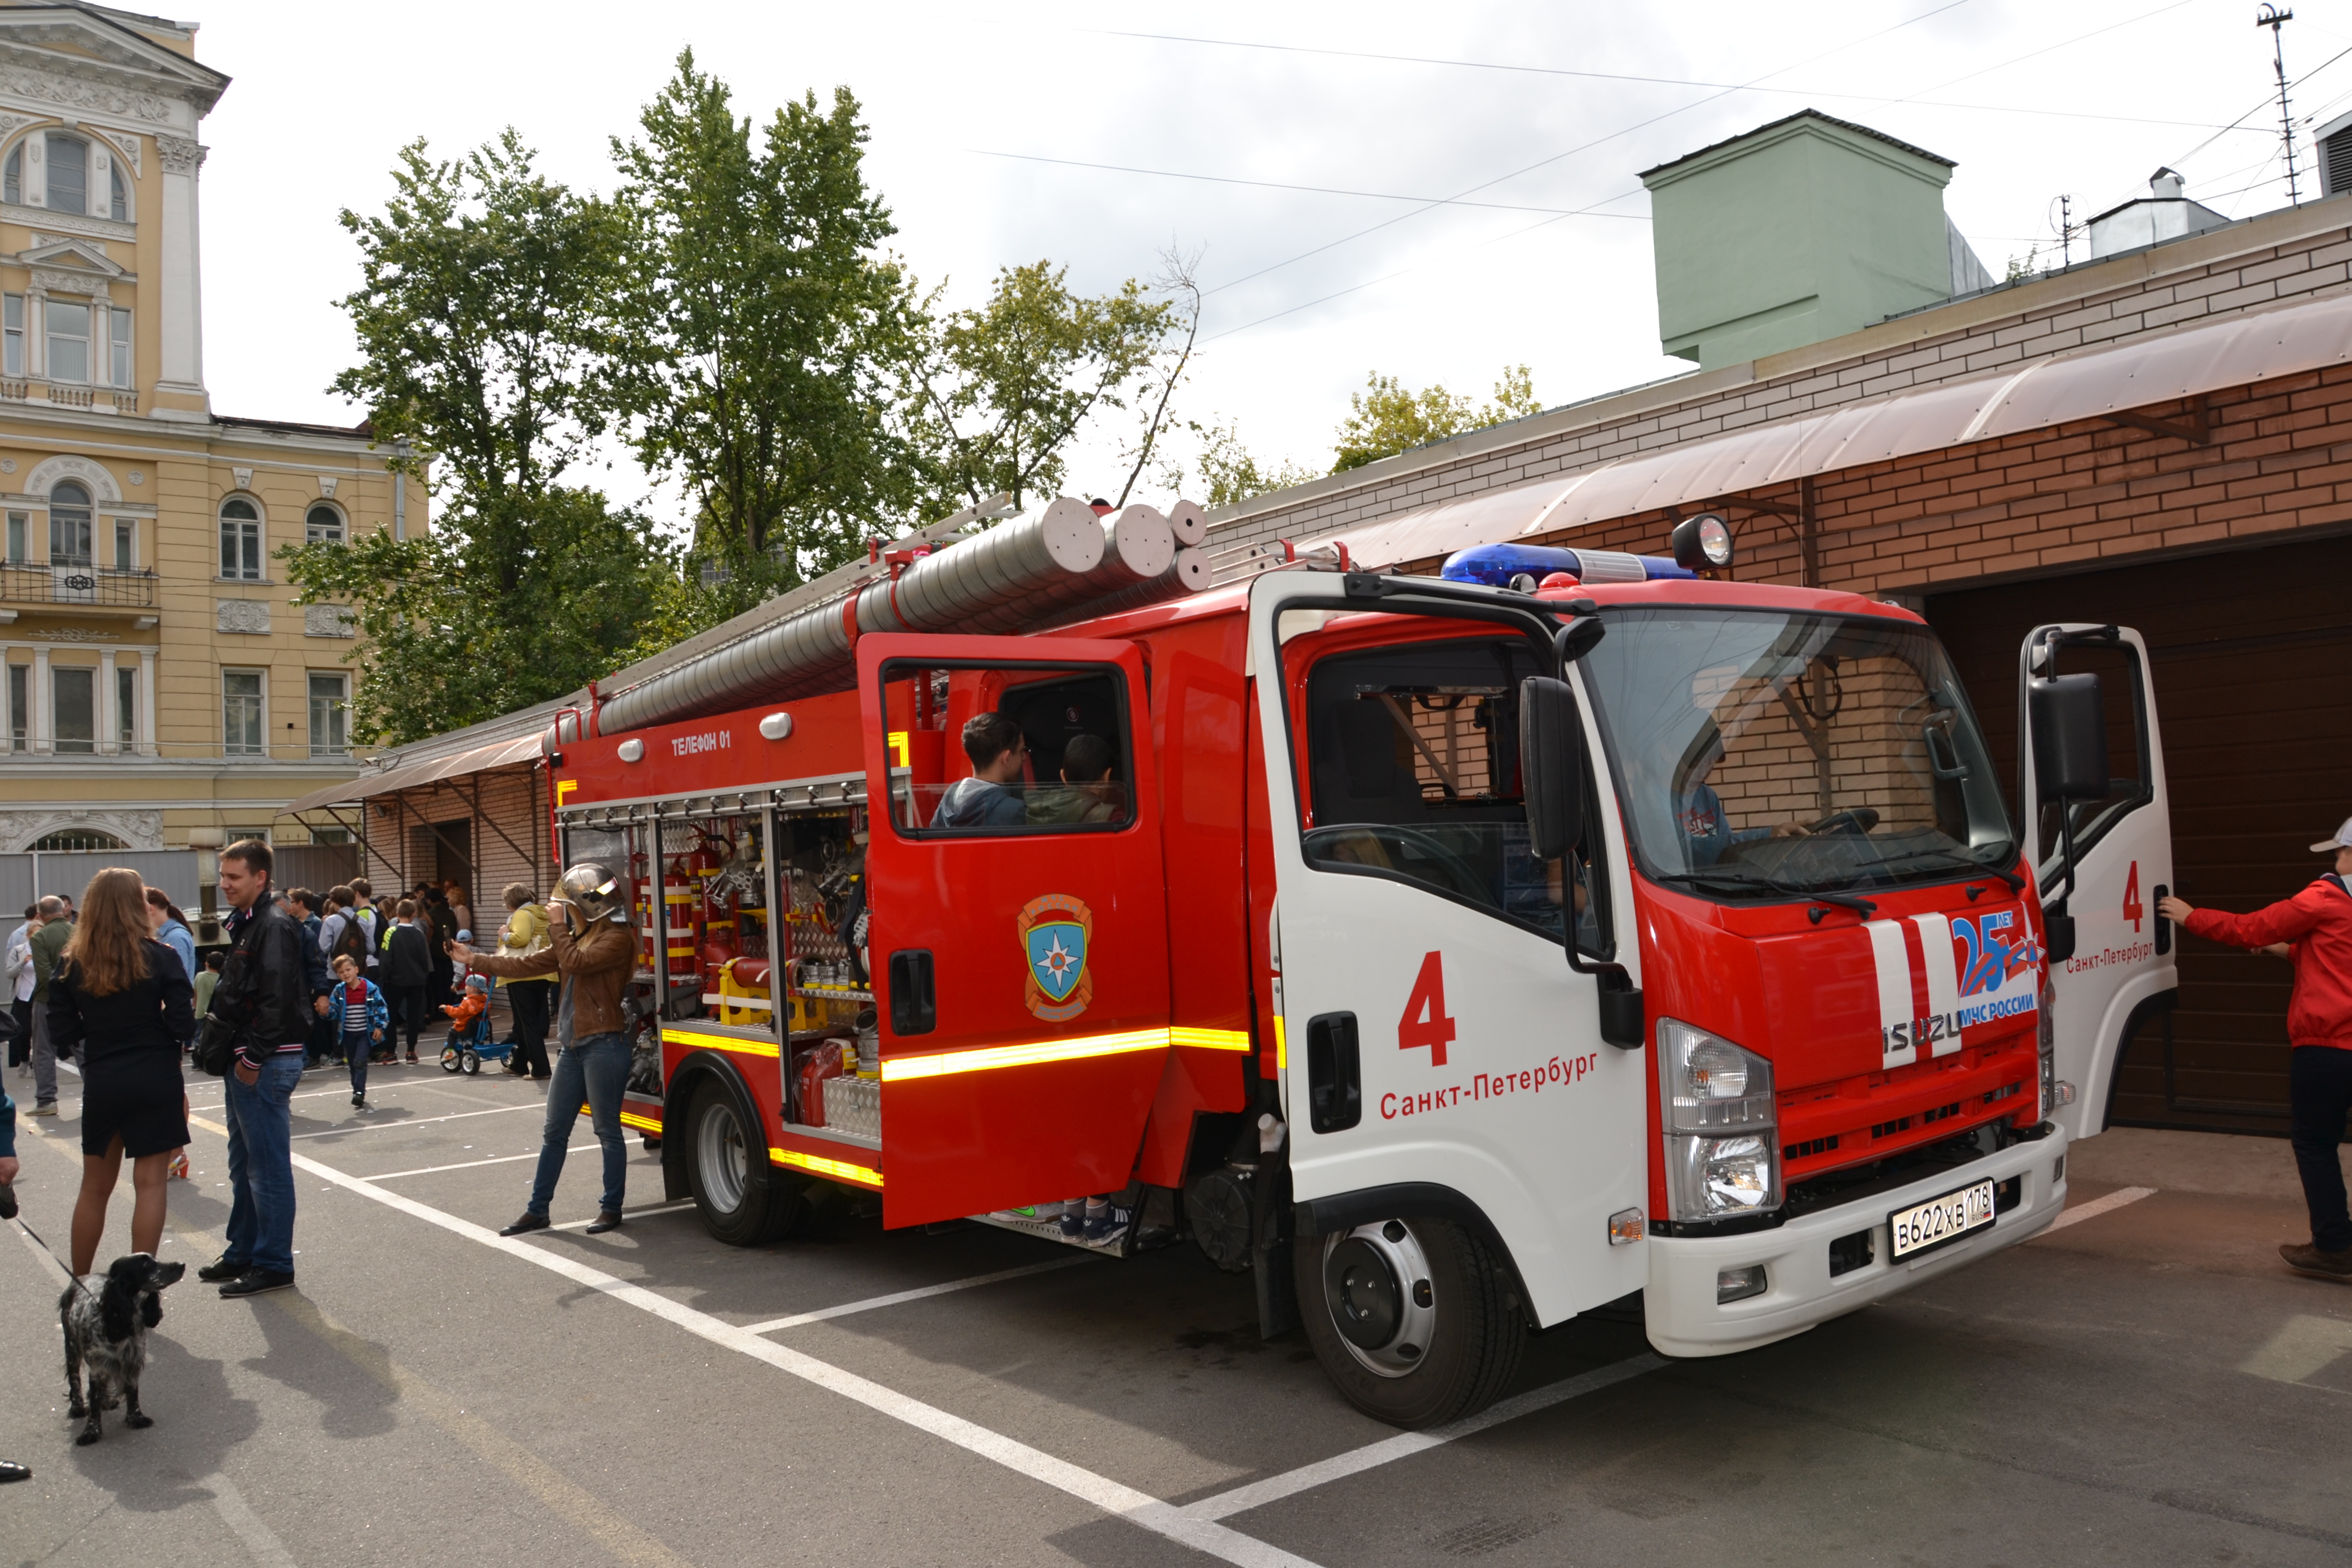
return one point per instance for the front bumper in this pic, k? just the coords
(1679, 1305)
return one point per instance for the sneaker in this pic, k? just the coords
(257, 1282)
(358, 1101)
(7, 1201)
(605, 1220)
(412, 1059)
(222, 1267)
(2306, 1258)
(1108, 1223)
(45, 1108)
(529, 1222)
(1074, 1219)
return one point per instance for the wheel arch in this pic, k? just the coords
(693, 1071)
(1313, 1218)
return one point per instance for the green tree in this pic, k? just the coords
(1225, 471)
(484, 320)
(769, 336)
(1012, 380)
(1385, 418)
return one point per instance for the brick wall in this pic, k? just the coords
(2297, 253)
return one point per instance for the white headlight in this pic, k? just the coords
(1707, 1083)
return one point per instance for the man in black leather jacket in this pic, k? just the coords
(267, 990)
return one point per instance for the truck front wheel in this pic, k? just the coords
(1410, 1318)
(742, 1201)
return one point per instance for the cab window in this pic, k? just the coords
(988, 750)
(1412, 775)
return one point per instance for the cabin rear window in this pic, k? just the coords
(980, 749)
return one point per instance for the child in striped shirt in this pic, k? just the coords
(361, 1017)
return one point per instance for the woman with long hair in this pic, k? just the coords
(122, 998)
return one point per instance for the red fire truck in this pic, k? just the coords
(1454, 955)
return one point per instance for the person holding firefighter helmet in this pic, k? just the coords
(591, 954)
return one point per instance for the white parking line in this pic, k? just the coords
(2117, 1199)
(1371, 1456)
(414, 1120)
(467, 1165)
(871, 1302)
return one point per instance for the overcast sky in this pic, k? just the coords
(988, 126)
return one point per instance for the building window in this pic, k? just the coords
(240, 525)
(126, 545)
(20, 548)
(330, 705)
(76, 839)
(119, 360)
(12, 335)
(330, 835)
(69, 525)
(20, 705)
(69, 160)
(324, 525)
(126, 706)
(238, 835)
(119, 205)
(69, 330)
(241, 713)
(11, 176)
(74, 693)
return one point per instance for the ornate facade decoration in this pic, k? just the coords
(52, 86)
(328, 621)
(50, 470)
(20, 830)
(76, 633)
(250, 617)
(178, 155)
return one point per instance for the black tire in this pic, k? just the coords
(742, 1201)
(1472, 1320)
(473, 1063)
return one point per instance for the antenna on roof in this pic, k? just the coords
(2274, 19)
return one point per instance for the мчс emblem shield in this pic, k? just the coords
(1055, 930)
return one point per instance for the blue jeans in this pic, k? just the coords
(596, 1069)
(356, 1047)
(261, 1166)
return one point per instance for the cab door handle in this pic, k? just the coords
(914, 1008)
(1335, 1094)
(2163, 926)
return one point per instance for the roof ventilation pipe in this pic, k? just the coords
(1033, 561)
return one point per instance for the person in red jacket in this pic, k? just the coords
(2315, 925)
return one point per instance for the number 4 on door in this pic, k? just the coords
(1425, 1022)
(2133, 910)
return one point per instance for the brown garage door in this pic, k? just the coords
(2252, 657)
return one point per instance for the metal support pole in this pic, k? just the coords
(1809, 533)
(779, 1013)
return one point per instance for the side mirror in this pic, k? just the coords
(2069, 720)
(1551, 766)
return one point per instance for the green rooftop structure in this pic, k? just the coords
(1801, 230)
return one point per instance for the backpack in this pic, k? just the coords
(351, 942)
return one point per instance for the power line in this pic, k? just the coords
(2037, 54)
(1630, 76)
(1313, 190)
(1544, 163)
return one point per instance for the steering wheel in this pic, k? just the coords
(1860, 820)
(1468, 882)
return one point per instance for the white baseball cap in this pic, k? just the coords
(2343, 839)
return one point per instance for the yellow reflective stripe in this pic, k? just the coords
(1210, 1039)
(718, 1043)
(839, 1169)
(1281, 1043)
(631, 1119)
(989, 1058)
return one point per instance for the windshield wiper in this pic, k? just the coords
(1732, 879)
(1957, 862)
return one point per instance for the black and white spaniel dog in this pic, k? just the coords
(106, 1331)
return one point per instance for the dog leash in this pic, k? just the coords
(26, 1226)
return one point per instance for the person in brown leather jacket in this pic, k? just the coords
(592, 954)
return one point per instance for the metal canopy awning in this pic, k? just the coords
(503, 753)
(2083, 384)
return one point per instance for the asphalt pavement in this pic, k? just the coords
(2142, 1384)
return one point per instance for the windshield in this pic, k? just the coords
(1761, 752)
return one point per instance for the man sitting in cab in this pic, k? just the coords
(1087, 792)
(999, 755)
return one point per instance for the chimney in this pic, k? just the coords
(2163, 214)
(1801, 230)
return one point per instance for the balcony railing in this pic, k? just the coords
(33, 389)
(21, 582)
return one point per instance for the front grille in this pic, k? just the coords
(1889, 1128)
(1941, 1111)
(1809, 1148)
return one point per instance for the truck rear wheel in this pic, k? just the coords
(733, 1185)
(1410, 1318)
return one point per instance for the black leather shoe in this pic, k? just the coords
(7, 1201)
(528, 1223)
(604, 1221)
(256, 1282)
(12, 1471)
(222, 1268)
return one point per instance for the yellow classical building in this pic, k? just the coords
(160, 683)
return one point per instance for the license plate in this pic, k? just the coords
(1923, 1226)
